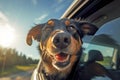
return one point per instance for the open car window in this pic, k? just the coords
(107, 41)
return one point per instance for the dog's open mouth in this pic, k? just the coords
(61, 60)
(62, 57)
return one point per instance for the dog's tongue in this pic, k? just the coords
(61, 56)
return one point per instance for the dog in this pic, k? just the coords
(60, 46)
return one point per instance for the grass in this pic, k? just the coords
(17, 69)
(26, 68)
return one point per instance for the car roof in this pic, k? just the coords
(108, 34)
(95, 11)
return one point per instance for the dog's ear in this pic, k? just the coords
(87, 28)
(34, 33)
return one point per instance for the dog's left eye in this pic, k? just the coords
(71, 28)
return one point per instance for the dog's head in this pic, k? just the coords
(60, 40)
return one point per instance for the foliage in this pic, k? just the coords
(16, 69)
(106, 62)
(26, 67)
(10, 58)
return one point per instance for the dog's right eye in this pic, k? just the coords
(48, 29)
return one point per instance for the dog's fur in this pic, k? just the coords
(60, 46)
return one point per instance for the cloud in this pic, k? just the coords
(6, 31)
(4, 22)
(60, 4)
(59, 1)
(3, 18)
(57, 9)
(41, 18)
(34, 2)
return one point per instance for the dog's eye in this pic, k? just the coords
(48, 29)
(71, 28)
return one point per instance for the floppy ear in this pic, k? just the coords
(88, 28)
(34, 33)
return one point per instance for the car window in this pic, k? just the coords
(107, 41)
(107, 52)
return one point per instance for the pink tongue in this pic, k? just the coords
(61, 57)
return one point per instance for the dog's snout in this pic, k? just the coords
(61, 40)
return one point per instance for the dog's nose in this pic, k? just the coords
(62, 40)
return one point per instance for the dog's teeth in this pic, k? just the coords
(68, 57)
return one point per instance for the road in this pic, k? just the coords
(18, 76)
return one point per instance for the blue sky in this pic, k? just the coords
(21, 15)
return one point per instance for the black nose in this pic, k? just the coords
(61, 40)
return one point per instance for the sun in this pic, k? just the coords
(7, 35)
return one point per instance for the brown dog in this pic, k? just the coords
(60, 46)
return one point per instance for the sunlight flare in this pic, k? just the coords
(7, 35)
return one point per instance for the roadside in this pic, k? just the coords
(18, 73)
(19, 76)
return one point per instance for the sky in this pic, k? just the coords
(17, 17)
